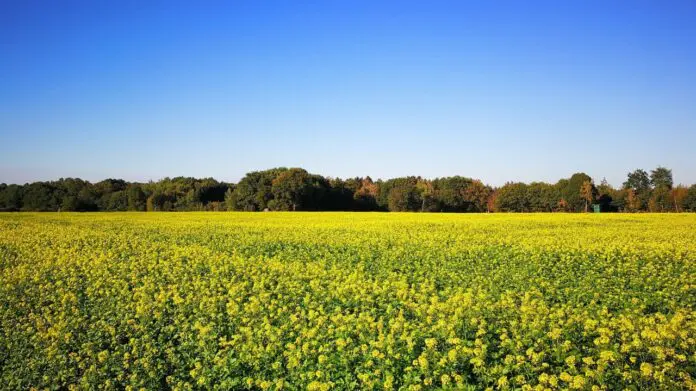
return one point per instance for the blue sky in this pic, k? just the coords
(497, 90)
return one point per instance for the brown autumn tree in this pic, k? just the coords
(562, 205)
(365, 196)
(477, 194)
(587, 193)
(490, 202)
(633, 203)
(678, 195)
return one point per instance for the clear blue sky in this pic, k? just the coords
(497, 90)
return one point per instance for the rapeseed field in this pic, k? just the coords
(336, 301)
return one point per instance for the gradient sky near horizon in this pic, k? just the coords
(497, 90)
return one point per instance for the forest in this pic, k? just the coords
(295, 189)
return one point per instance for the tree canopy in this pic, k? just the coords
(296, 189)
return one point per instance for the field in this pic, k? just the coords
(323, 301)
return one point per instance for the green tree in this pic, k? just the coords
(11, 198)
(230, 199)
(609, 199)
(3, 188)
(690, 199)
(116, 201)
(451, 194)
(661, 197)
(404, 198)
(340, 193)
(254, 191)
(401, 194)
(40, 196)
(245, 194)
(159, 201)
(426, 193)
(571, 191)
(512, 197)
(290, 188)
(542, 197)
(661, 177)
(639, 182)
(70, 203)
(137, 199)
(87, 199)
(660, 200)
(101, 194)
(209, 190)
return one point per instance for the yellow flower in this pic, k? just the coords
(103, 356)
(423, 362)
(555, 333)
(388, 383)
(445, 379)
(553, 380)
(431, 343)
(570, 360)
(607, 355)
(646, 369)
(452, 355)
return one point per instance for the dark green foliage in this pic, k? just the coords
(340, 193)
(450, 193)
(609, 199)
(572, 194)
(690, 200)
(180, 194)
(639, 182)
(542, 197)
(77, 195)
(512, 198)
(40, 196)
(102, 193)
(564, 196)
(400, 195)
(137, 200)
(11, 197)
(661, 177)
(116, 201)
(253, 192)
(295, 189)
(458, 194)
(403, 199)
(365, 193)
(661, 200)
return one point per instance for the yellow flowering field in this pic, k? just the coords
(334, 301)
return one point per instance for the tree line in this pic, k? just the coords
(295, 189)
